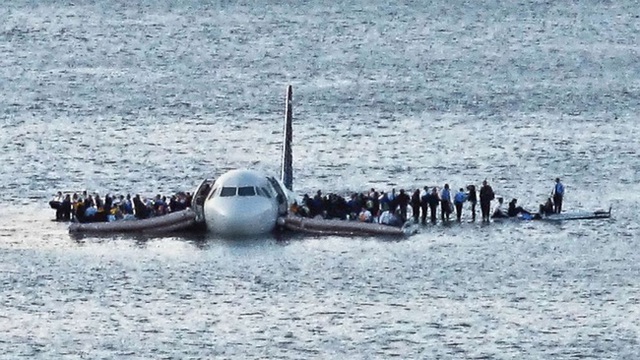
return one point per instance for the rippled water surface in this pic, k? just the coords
(153, 97)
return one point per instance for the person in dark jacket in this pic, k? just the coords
(403, 201)
(56, 204)
(375, 203)
(66, 208)
(445, 203)
(140, 209)
(433, 200)
(486, 195)
(415, 205)
(472, 197)
(424, 204)
(514, 209)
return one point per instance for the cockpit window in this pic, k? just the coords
(228, 191)
(246, 191)
(264, 192)
(241, 191)
(214, 192)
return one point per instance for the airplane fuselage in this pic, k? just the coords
(247, 202)
(244, 202)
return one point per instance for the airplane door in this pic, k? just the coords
(283, 206)
(199, 197)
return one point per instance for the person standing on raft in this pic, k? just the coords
(558, 194)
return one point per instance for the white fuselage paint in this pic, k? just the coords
(241, 203)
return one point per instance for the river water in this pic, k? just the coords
(151, 98)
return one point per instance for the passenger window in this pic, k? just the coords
(246, 191)
(228, 191)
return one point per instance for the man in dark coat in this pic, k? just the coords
(472, 197)
(486, 195)
(415, 205)
(424, 204)
(433, 199)
(140, 209)
(66, 208)
(403, 201)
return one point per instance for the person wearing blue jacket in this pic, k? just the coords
(458, 200)
(558, 194)
(445, 203)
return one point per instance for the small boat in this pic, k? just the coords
(176, 221)
(579, 215)
(565, 216)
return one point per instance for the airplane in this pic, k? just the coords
(247, 202)
(244, 202)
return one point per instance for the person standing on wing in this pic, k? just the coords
(415, 205)
(472, 197)
(458, 200)
(558, 194)
(424, 204)
(445, 203)
(486, 195)
(433, 200)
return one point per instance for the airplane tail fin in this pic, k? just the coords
(287, 153)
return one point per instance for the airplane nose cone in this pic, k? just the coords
(242, 219)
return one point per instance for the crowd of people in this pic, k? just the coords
(394, 208)
(85, 207)
(389, 208)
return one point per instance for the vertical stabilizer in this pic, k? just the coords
(287, 153)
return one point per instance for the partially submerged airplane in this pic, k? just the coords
(244, 202)
(247, 202)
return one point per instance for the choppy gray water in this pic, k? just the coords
(149, 98)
